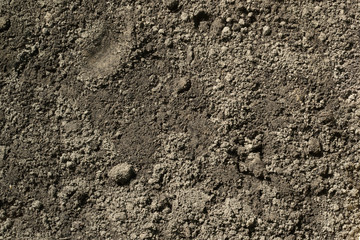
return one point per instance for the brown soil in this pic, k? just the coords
(179, 119)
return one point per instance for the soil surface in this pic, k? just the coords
(179, 119)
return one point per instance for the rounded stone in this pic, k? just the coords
(122, 173)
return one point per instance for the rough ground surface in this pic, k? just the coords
(234, 119)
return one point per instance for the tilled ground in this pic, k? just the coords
(179, 119)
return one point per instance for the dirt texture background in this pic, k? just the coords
(179, 119)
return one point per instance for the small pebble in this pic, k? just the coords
(256, 165)
(168, 43)
(70, 164)
(224, 49)
(122, 173)
(314, 146)
(212, 52)
(266, 30)
(184, 16)
(229, 20)
(226, 32)
(229, 77)
(183, 85)
(357, 113)
(36, 204)
(317, 9)
(4, 24)
(322, 37)
(216, 26)
(242, 22)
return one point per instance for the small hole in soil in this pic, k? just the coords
(199, 17)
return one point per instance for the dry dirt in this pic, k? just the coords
(179, 119)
